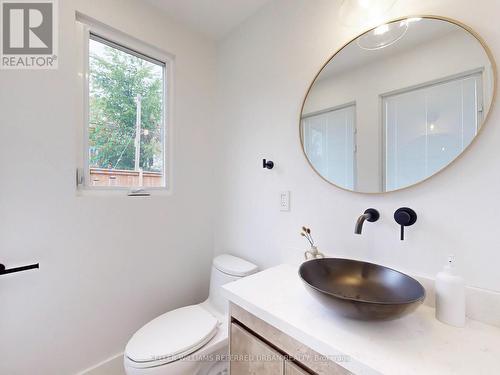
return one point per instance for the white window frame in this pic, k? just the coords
(479, 72)
(85, 27)
(352, 104)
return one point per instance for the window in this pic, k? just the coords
(126, 113)
(428, 126)
(330, 143)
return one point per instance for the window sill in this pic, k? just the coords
(121, 192)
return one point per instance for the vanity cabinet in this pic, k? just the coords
(292, 369)
(258, 348)
(252, 356)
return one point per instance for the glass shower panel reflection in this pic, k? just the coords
(426, 128)
(329, 142)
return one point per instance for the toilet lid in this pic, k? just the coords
(234, 266)
(172, 336)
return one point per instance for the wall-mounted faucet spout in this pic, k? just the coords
(370, 215)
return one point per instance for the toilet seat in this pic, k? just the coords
(171, 336)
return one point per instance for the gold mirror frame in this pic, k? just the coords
(440, 18)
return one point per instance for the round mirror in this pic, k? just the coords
(397, 104)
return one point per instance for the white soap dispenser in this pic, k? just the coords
(450, 296)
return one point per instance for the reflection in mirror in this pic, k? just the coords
(397, 105)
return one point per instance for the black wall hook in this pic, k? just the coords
(405, 217)
(267, 164)
(4, 271)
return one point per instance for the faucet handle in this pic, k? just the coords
(374, 215)
(405, 217)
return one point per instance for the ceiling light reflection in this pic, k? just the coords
(382, 36)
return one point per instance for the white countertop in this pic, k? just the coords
(416, 344)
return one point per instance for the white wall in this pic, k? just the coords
(86, 300)
(264, 70)
(109, 263)
(453, 53)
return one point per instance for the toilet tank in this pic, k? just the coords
(226, 268)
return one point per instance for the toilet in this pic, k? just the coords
(191, 340)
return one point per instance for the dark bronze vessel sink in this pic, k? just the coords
(361, 290)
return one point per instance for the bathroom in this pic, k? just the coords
(235, 77)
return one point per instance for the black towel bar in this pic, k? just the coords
(4, 271)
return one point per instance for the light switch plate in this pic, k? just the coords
(285, 201)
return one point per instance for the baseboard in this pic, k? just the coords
(110, 366)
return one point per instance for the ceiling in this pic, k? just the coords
(214, 18)
(419, 33)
